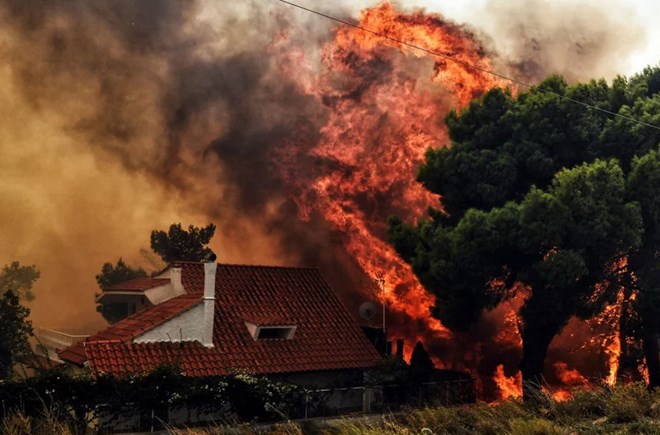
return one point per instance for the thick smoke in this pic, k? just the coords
(122, 117)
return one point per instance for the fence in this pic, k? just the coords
(383, 398)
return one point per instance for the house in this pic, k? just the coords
(211, 319)
(131, 296)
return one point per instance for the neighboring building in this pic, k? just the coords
(131, 296)
(212, 319)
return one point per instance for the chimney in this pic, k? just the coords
(175, 279)
(209, 303)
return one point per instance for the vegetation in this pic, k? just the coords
(14, 333)
(15, 283)
(120, 272)
(176, 244)
(19, 279)
(54, 399)
(56, 405)
(543, 197)
(630, 409)
(181, 245)
(109, 276)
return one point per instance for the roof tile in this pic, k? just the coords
(138, 284)
(327, 337)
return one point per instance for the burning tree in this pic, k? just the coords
(514, 223)
(644, 186)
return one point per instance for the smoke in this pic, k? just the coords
(122, 117)
(579, 40)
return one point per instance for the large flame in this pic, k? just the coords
(387, 103)
(385, 106)
(508, 386)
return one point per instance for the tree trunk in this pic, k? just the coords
(626, 361)
(536, 338)
(650, 346)
(535, 349)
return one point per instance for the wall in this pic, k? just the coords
(188, 326)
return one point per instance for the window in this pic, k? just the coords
(266, 332)
(270, 332)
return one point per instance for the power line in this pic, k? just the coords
(465, 64)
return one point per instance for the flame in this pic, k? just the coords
(509, 386)
(386, 106)
(561, 395)
(612, 343)
(569, 377)
(644, 372)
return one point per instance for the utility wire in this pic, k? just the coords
(465, 64)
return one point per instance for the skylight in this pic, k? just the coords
(271, 332)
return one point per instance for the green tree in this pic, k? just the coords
(15, 331)
(180, 245)
(555, 245)
(19, 279)
(497, 185)
(110, 275)
(644, 187)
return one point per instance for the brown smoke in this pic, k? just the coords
(122, 117)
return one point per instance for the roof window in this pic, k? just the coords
(271, 332)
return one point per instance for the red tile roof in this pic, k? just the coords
(327, 337)
(138, 284)
(134, 325)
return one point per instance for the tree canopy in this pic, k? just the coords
(19, 279)
(535, 199)
(112, 274)
(15, 331)
(178, 244)
(644, 187)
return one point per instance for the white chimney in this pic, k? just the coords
(209, 303)
(175, 280)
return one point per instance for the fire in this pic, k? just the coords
(610, 340)
(561, 395)
(386, 106)
(383, 105)
(569, 377)
(509, 386)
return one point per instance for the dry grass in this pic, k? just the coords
(630, 409)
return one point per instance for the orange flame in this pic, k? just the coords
(384, 106)
(509, 386)
(569, 377)
(387, 105)
(612, 343)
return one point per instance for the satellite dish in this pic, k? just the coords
(368, 310)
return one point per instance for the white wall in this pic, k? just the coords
(161, 293)
(188, 326)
